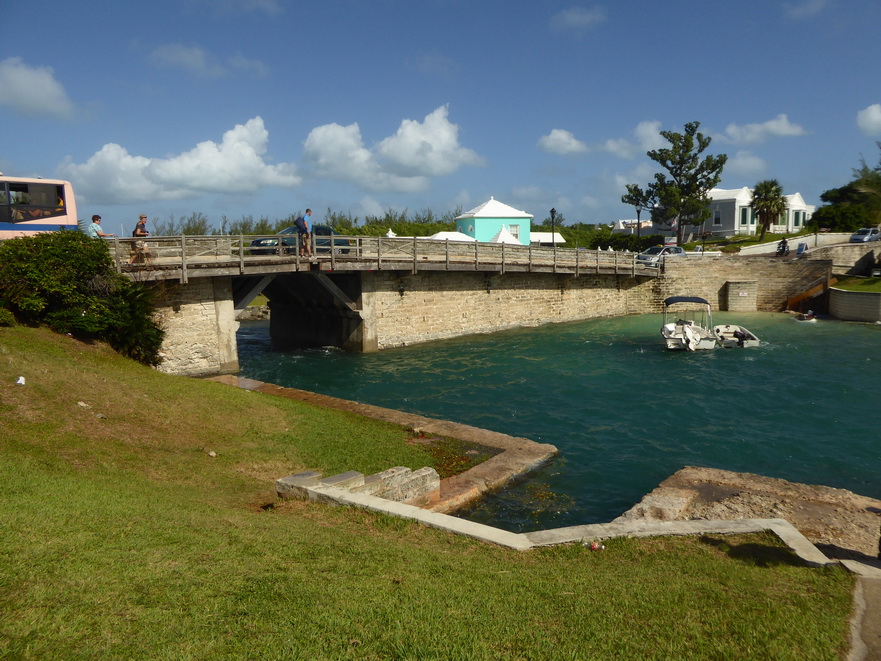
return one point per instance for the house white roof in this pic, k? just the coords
(492, 208)
(504, 236)
(740, 194)
(452, 236)
(546, 237)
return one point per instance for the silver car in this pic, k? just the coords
(657, 254)
(866, 234)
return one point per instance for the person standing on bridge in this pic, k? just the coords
(304, 233)
(140, 250)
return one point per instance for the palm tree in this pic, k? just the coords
(768, 203)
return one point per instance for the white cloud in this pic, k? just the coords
(529, 193)
(647, 136)
(780, 126)
(578, 19)
(589, 202)
(235, 165)
(338, 153)
(370, 207)
(430, 148)
(560, 141)
(203, 64)
(232, 7)
(805, 9)
(33, 91)
(745, 164)
(619, 147)
(245, 65)
(869, 119)
(189, 58)
(435, 64)
(402, 162)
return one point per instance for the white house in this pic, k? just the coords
(731, 213)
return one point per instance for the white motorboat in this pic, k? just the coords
(688, 334)
(732, 335)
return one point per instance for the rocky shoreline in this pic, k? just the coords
(842, 524)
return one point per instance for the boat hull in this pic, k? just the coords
(731, 336)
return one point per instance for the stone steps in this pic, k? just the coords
(399, 484)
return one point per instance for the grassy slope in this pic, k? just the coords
(120, 537)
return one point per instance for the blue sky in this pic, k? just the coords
(265, 107)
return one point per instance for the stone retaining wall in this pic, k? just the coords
(854, 305)
(409, 309)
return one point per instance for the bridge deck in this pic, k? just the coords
(205, 256)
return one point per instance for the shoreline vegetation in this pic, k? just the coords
(140, 521)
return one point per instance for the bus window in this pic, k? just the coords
(35, 205)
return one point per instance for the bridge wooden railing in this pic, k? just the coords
(182, 256)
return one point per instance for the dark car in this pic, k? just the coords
(324, 238)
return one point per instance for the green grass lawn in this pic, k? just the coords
(120, 537)
(860, 284)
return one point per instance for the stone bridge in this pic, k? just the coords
(369, 293)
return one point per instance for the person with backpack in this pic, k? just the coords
(304, 233)
(140, 249)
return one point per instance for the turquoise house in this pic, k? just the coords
(494, 221)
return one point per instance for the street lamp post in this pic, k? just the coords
(553, 231)
(638, 223)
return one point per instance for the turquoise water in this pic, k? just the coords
(624, 412)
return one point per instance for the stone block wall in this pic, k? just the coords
(776, 279)
(850, 258)
(412, 308)
(742, 295)
(855, 305)
(200, 327)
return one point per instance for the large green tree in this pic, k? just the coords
(854, 205)
(768, 203)
(678, 197)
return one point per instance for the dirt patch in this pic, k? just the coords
(840, 523)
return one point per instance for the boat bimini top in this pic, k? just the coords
(672, 300)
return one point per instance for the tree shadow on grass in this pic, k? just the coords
(754, 553)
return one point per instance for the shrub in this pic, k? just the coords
(66, 281)
(6, 317)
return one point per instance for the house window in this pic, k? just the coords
(796, 218)
(717, 217)
(744, 215)
(515, 231)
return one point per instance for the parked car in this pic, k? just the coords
(324, 237)
(866, 234)
(657, 254)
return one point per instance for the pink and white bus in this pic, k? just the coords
(31, 205)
